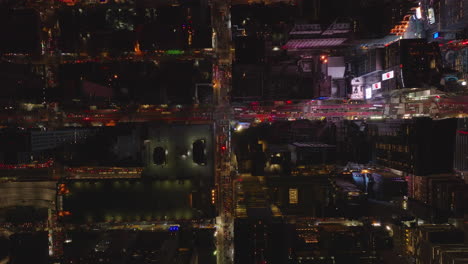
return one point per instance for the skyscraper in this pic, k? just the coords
(461, 148)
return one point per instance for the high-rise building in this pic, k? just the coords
(419, 146)
(260, 240)
(304, 194)
(24, 147)
(461, 148)
(390, 64)
(446, 23)
(438, 244)
(260, 30)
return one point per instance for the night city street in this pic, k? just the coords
(234, 132)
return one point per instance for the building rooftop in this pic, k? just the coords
(311, 145)
(314, 43)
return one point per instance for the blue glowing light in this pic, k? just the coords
(173, 228)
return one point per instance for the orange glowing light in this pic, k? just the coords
(137, 48)
(111, 123)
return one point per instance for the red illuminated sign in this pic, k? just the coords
(388, 75)
(376, 86)
(68, 2)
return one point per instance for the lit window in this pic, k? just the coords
(293, 197)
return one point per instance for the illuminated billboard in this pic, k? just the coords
(431, 16)
(388, 75)
(368, 93)
(376, 86)
(357, 91)
(293, 196)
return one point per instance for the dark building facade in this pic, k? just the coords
(419, 146)
(312, 153)
(418, 60)
(461, 148)
(351, 142)
(24, 147)
(260, 241)
(302, 195)
(21, 25)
